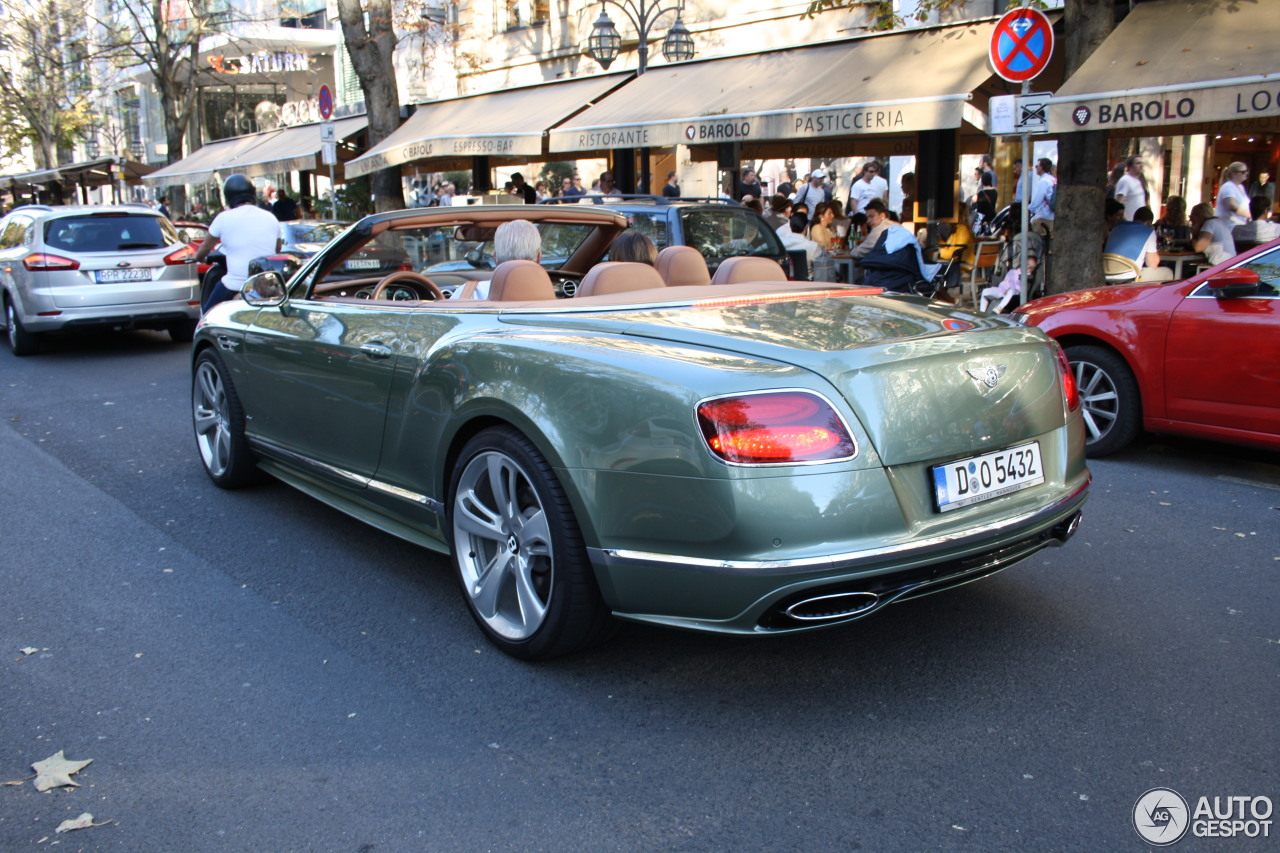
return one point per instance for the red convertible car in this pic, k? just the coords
(1199, 357)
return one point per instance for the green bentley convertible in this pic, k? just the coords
(739, 454)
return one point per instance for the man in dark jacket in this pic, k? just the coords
(285, 208)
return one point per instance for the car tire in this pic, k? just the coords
(21, 341)
(1109, 399)
(218, 420)
(518, 552)
(184, 332)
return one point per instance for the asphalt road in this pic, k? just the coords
(253, 671)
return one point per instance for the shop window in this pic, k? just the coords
(304, 14)
(525, 13)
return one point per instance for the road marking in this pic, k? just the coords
(1243, 482)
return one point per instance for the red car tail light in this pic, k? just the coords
(774, 428)
(1070, 393)
(185, 255)
(41, 262)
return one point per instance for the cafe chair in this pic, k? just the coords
(1117, 269)
(985, 255)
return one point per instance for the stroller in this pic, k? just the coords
(896, 264)
(986, 222)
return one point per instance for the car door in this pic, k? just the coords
(1222, 365)
(319, 375)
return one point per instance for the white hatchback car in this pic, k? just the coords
(94, 267)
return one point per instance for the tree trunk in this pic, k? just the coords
(371, 50)
(174, 135)
(1082, 163)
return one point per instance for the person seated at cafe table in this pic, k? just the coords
(793, 239)
(878, 222)
(1211, 235)
(1259, 228)
(1174, 226)
(1136, 241)
(1113, 213)
(820, 231)
(779, 211)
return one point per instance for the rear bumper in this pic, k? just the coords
(783, 596)
(143, 316)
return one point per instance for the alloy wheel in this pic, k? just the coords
(212, 419)
(505, 553)
(1099, 400)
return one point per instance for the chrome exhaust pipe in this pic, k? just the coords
(1067, 529)
(828, 608)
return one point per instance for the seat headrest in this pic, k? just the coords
(520, 281)
(744, 269)
(682, 265)
(618, 277)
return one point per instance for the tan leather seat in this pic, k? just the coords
(744, 269)
(682, 265)
(520, 281)
(618, 277)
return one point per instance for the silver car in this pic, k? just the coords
(94, 267)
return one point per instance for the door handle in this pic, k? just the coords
(376, 349)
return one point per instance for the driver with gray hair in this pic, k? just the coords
(517, 240)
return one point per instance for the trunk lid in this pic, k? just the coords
(926, 381)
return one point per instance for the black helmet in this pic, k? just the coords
(237, 190)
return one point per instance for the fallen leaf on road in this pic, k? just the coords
(83, 822)
(55, 771)
(29, 650)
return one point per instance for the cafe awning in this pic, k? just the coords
(91, 173)
(881, 84)
(200, 165)
(288, 149)
(291, 149)
(1176, 62)
(509, 122)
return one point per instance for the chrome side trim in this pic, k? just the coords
(849, 559)
(406, 495)
(343, 476)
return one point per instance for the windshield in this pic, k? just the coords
(724, 232)
(109, 233)
(320, 232)
(450, 248)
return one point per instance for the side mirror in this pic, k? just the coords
(1234, 283)
(264, 289)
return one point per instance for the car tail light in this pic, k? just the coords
(1070, 393)
(405, 266)
(774, 428)
(185, 255)
(41, 262)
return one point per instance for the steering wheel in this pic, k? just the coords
(410, 276)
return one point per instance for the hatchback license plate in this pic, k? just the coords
(134, 274)
(970, 481)
(363, 264)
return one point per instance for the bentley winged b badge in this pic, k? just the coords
(989, 375)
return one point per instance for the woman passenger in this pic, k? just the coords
(634, 247)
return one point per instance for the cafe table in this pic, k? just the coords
(1177, 260)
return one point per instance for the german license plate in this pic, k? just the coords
(363, 264)
(129, 274)
(981, 478)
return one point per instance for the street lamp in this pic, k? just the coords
(604, 44)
